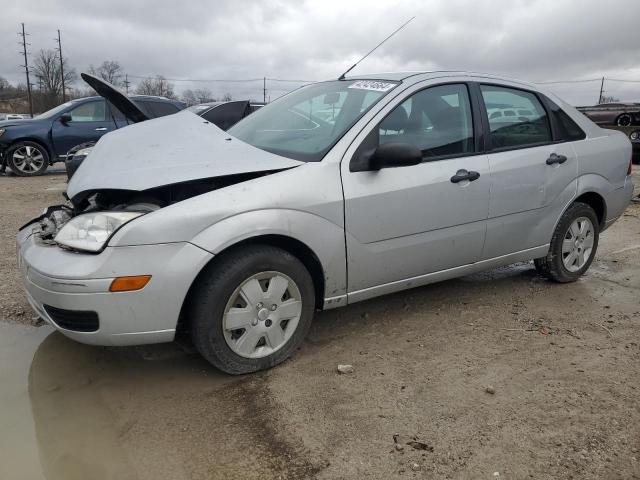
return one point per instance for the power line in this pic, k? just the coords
(227, 80)
(570, 81)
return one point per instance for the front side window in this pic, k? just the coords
(305, 124)
(90, 112)
(437, 120)
(523, 120)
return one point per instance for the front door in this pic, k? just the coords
(406, 222)
(88, 123)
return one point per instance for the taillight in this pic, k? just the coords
(630, 165)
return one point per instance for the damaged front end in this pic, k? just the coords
(99, 214)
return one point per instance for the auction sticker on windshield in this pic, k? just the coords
(372, 85)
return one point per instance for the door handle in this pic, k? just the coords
(101, 129)
(465, 175)
(553, 158)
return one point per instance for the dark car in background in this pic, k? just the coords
(618, 114)
(29, 146)
(225, 114)
(634, 136)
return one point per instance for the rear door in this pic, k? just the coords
(406, 222)
(89, 121)
(531, 171)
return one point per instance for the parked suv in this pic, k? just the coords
(236, 238)
(29, 146)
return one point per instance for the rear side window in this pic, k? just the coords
(226, 115)
(144, 106)
(160, 109)
(514, 130)
(437, 120)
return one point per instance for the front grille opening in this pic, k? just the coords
(75, 320)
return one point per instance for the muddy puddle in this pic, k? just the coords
(77, 412)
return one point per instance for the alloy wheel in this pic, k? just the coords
(28, 159)
(577, 244)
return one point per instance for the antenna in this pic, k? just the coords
(341, 77)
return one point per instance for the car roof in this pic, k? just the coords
(428, 75)
(133, 97)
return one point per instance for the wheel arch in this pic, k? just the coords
(295, 247)
(34, 140)
(595, 201)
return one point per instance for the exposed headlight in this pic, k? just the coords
(635, 135)
(91, 232)
(83, 152)
(2, 130)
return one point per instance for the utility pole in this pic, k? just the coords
(601, 91)
(264, 89)
(126, 83)
(64, 96)
(26, 69)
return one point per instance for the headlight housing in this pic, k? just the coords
(91, 232)
(635, 135)
(83, 152)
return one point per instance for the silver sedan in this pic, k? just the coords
(335, 193)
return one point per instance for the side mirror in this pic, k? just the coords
(65, 118)
(390, 155)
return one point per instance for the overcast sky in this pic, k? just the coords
(535, 40)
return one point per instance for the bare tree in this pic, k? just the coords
(204, 95)
(110, 71)
(46, 68)
(158, 86)
(609, 99)
(226, 97)
(189, 97)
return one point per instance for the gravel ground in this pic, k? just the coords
(494, 375)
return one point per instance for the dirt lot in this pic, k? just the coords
(498, 375)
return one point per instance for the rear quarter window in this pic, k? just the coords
(566, 129)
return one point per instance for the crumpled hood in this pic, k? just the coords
(168, 150)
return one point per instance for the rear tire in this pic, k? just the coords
(27, 159)
(573, 245)
(271, 296)
(624, 120)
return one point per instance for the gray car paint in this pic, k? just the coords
(372, 232)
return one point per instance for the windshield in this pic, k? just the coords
(305, 124)
(54, 111)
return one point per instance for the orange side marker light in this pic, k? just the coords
(129, 284)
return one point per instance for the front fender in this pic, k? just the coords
(323, 237)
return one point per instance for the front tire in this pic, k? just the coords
(573, 245)
(251, 309)
(27, 159)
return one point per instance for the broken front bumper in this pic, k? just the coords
(68, 288)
